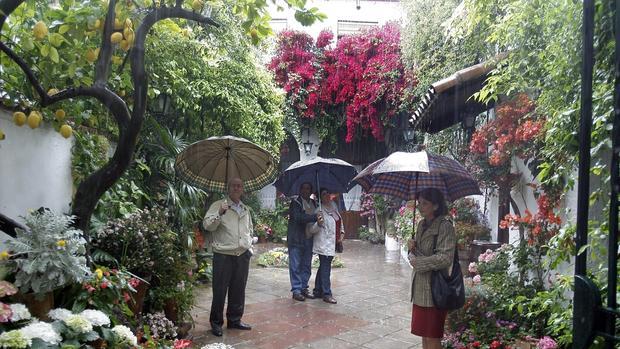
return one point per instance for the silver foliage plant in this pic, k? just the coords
(49, 255)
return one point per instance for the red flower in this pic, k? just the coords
(476, 344)
(104, 285)
(495, 345)
(182, 343)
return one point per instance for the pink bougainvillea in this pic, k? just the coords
(363, 76)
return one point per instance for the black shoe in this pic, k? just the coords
(216, 330)
(307, 294)
(299, 297)
(240, 325)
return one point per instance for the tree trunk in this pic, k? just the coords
(502, 210)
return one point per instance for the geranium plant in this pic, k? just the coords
(108, 290)
(515, 131)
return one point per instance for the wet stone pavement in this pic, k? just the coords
(373, 309)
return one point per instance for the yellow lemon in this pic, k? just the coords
(66, 131)
(116, 37)
(91, 56)
(118, 24)
(98, 24)
(129, 35)
(196, 5)
(121, 93)
(4, 255)
(125, 45)
(19, 118)
(40, 30)
(99, 273)
(34, 119)
(2, 135)
(60, 114)
(61, 243)
(128, 23)
(52, 91)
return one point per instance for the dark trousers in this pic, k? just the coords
(322, 282)
(230, 275)
(299, 265)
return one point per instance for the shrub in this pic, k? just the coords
(48, 255)
(370, 235)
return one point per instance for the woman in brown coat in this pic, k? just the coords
(426, 320)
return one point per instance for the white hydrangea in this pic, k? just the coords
(217, 346)
(14, 339)
(78, 323)
(125, 334)
(43, 331)
(59, 314)
(20, 312)
(96, 317)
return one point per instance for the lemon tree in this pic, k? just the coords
(54, 46)
(85, 67)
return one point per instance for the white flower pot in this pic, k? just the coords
(391, 244)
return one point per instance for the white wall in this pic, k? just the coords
(35, 169)
(369, 11)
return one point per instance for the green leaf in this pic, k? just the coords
(45, 50)
(54, 55)
(56, 39)
(63, 29)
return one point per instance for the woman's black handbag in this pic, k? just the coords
(448, 290)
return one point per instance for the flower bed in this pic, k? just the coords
(278, 258)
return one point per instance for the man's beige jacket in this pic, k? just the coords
(232, 232)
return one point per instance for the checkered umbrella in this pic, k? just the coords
(403, 175)
(210, 163)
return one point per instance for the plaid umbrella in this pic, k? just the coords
(333, 174)
(210, 163)
(403, 175)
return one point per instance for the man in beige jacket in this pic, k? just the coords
(230, 223)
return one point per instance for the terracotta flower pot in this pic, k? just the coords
(171, 310)
(98, 344)
(137, 299)
(38, 305)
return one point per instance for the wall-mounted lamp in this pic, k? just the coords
(162, 105)
(307, 144)
(469, 122)
(408, 135)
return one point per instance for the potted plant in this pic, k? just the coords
(46, 256)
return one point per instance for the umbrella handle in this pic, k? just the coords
(415, 203)
(318, 189)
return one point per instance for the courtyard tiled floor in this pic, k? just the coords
(373, 309)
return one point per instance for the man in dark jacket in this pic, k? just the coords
(301, 212)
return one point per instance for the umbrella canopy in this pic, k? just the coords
(333, 174)
(210, 163)
(403, 175)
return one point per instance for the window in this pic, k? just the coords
(346, 27)
(278, 24)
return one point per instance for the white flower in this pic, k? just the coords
(43, 331)
(96, 317)
(59, 314)
(14, 339)
(125, 335)
(78, 323)
(20, 312)
(217, 346)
